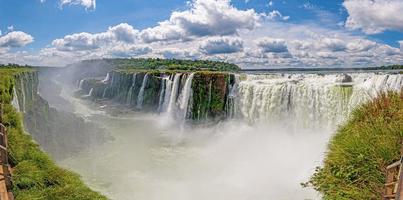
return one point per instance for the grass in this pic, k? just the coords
(35, 176)
(354, 167)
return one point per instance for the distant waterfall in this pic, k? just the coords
(309, 99)
(89, 93)
(106, 79)
(23, 96)
(174, 93)
(185, 95)
(167, 93)
(131, 89)
(162, 93)
(80, 85)
(15, 102)
(140, 98)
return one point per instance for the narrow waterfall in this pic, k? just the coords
(80, 85)
(308, 99)
(23, 96)
(141, 93)
(174, 93)
(167, 93)
(185, 96)
(162, 94)
(106, 79)
(231, 109)
(15, 102)
(89, 93)
(131, 89)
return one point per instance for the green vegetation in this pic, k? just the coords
(35, 175)
(166, 64)
(354, 167)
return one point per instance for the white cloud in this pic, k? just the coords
(204, 18)
(374, 16)
(270, 3)
(215, 30)
(401, 45)
(275, 14)
(129, 50)
(122, 33)
(272, 45)
(220, 45)
(15, 39)
(88, 4)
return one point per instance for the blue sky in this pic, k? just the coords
(254, 33)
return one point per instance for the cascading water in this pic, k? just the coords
(23, 95)
(174, 93)
(309, 99)
(106, 79)
(89, 93)
(141, 93)
(185, 96)
(15, 102)
(167, 93)
(276, 131)
(80, 85)
(131, 89)
(162, 93)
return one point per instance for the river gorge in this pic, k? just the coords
(203, 135)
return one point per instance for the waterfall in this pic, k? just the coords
(80, 85)
(162, 94)
(106, 79)
(174, 93)
(309, 99)
(23, 96)
(89, 93)
(185, 95)
(167, 93)
(141, 93)
(232, 97)
(131, 89)
(14, 102)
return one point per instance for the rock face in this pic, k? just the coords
(59, 133)
(195, 96)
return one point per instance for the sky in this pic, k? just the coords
(250, 33)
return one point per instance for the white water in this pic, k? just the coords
(107, 78)
(89, 93)
(311, 100)
(15, 102)
(174, 93)
(141, 93)
(131, 90)
(185, 96)
(80, 85)
(251, 157)
(167, 93)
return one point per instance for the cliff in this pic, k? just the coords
(197, 96)
(35, 175)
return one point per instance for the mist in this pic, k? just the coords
(152, 157)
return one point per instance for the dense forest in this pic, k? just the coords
(166, 64)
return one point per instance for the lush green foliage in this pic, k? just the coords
(167, 64)
(35, 175)
(354, 167)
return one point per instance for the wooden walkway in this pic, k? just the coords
(5, 170)
(394, 180)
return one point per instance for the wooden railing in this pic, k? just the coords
(394, 180)
(5, 169)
